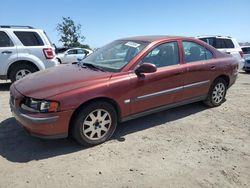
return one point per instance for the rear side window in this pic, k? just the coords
(228, 43)
(80, 51)
(246, 50)
(29, 38)
(195, 52)
(224, 43)
(218, 42)
(5, 40)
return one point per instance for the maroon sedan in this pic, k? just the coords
(125, 79)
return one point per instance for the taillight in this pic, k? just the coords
(49, 53)
(241, 54)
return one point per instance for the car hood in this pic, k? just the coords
(57, 80)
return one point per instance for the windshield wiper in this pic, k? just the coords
(89, 65)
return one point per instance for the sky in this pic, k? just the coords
(106, 20)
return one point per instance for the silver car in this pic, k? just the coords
(73, 55)
(246, 52)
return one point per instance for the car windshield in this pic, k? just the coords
(114, 56)
(246, 50)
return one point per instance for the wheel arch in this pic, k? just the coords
(224, 77)
(18, 63)
(105, 99)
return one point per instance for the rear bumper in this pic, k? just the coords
(49, 126)
(51, 63)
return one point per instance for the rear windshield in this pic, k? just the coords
(218, 42)
(246, 50)
(29, 38)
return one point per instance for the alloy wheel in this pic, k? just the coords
(97, 124)
(218, 93)
(22, 73)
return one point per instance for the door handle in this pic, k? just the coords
(213, 67)
(6, 52)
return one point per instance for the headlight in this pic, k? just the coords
(42, 106)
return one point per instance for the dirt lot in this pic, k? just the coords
(189, 146)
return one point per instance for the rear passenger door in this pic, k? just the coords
(8, 52)
(200, 70)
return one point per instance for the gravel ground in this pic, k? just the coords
(189, 146)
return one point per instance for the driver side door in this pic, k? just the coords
(162, 87)
(71, 56)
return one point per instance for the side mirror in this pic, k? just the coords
(145, 68)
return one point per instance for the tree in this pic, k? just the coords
(70, 33)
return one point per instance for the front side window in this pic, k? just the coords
(114, 56)
(5, 40)
(72, 52)
(163, 55)
(29, 38)
(195, 52)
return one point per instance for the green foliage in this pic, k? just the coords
(71, 33)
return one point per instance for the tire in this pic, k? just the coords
(59, 60)
(21, 70)
(217, 93)
(88, 129)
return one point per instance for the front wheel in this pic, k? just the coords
(94, 123)
(217, 93)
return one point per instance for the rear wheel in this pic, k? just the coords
(217, 93)
(20, 71)
(94, 123)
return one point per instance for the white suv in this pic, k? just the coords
(227, 45)
(24, 50)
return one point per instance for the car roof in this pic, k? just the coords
(75, 48)
(245, 46)
(152, 38)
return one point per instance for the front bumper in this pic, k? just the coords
(50, 126)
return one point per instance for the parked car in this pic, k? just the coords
(24, 50)
(226, 45)
(246, 52)
(61, 50)
(155, 73)
(73, 55)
